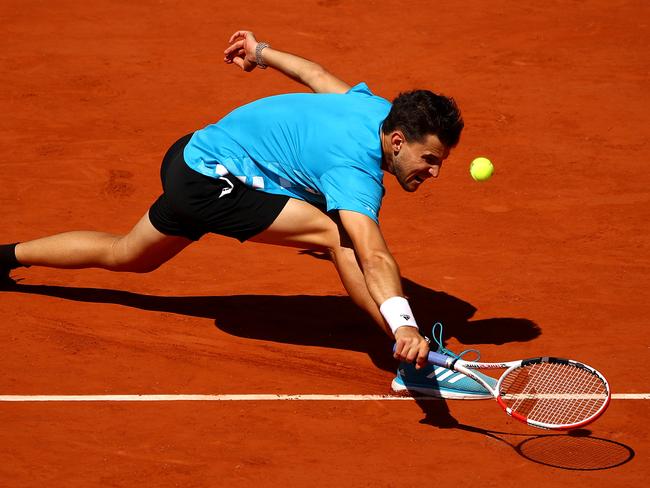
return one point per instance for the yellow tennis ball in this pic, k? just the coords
(481, 169)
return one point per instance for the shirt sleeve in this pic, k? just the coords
(360, 88)
(350, 188)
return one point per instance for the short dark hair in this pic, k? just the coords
(419, 113)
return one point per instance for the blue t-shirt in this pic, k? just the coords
(322, 148)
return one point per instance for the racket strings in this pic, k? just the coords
(554, 393)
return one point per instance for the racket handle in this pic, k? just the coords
(436, 358)
(440, 359)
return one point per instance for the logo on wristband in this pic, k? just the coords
(405, 316)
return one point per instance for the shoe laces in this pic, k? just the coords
(436, 334)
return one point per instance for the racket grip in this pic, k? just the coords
(436, 358)
(439, 359)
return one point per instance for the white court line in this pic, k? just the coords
(239, 398)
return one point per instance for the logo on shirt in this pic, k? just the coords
(371, 210)
(227, 190)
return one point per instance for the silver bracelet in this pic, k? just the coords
(258, 54)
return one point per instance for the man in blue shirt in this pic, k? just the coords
(302, 170)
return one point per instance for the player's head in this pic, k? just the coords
(420, 113)
(418, 134)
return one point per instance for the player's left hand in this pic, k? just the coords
(411, 346)
(241, 50)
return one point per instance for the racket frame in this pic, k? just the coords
(467, 367)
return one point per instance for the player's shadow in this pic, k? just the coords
(322, 321)
(334, 321)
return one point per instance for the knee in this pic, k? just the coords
(122, 260)
(339, 253)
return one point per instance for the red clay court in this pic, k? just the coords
(550, 257)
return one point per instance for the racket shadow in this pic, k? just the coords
(576, 450)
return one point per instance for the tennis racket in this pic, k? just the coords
(544, 392)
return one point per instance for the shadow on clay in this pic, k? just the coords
(323, 321)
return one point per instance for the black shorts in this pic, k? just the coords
(193, 204)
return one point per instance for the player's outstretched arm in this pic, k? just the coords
(247, 53)
(383, 280)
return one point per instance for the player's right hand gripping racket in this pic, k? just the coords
(545, 392)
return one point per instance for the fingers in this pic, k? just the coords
(423, 357)
(238, 61)
(241, 62)
(230, 57)
(234, 48)
(411, 346)
(243, 35)
(238, 34)
(236, 52)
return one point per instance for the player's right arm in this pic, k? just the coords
(382, 276)
(242, 52)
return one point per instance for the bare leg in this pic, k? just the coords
(142, 250)
(304, 226)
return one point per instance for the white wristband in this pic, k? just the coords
(397, 312)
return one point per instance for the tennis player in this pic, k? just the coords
(302, 170)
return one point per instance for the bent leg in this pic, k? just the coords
(302, 225)
(142, 250)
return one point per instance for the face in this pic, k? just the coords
(415, 162)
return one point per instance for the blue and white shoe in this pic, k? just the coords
(440, 382)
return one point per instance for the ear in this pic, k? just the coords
(397, 140)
